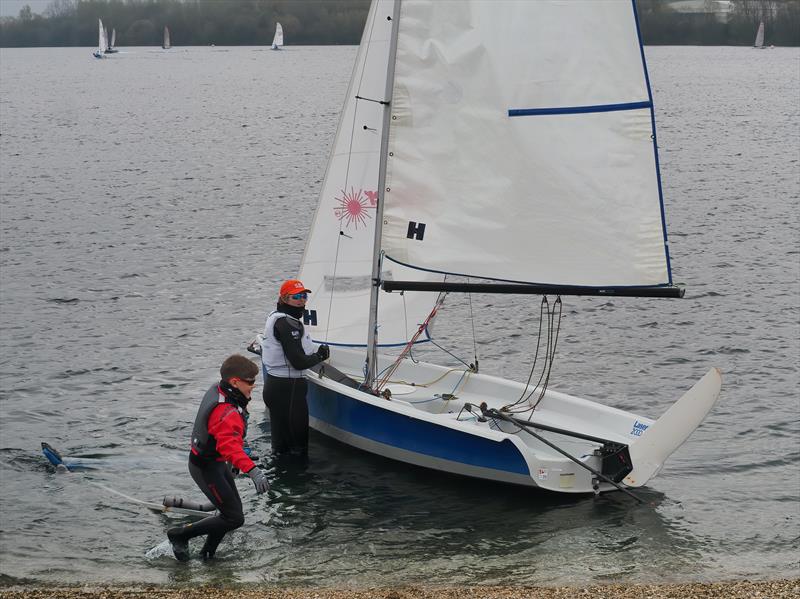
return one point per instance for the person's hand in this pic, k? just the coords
(256, 474)
(324, 352)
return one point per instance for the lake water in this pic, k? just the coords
(152, 202)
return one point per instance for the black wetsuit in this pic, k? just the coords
(285, 397)
(217, 440)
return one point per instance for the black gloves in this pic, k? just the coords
(323, 353)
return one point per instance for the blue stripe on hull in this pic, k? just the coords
(411, 434)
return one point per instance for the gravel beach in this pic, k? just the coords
(776, 589)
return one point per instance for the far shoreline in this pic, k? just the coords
(742, 589)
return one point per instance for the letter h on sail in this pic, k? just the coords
(416, 230)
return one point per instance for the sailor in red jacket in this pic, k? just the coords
(217, 447)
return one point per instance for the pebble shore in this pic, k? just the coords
(745, 589)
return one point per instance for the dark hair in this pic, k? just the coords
(238, 366)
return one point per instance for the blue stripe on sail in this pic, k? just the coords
(412, 434)
(579, 109)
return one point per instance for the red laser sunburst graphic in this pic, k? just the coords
(353, 208)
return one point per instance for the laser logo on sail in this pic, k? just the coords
(353, 208)
(638, 428)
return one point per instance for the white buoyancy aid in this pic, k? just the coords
(273, 359)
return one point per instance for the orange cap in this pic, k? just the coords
(293, 286)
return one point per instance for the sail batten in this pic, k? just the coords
(579, 109)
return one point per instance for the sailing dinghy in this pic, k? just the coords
(277, 41)
(102, 45)
(478, 152)
(166, 45)
(111, 49)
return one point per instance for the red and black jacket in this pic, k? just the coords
(219, 429)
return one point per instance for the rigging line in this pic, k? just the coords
(551, 352)
(496, 414)
(401, 356)
(333, 283)
(542, 307)
(544, 376)
(405, 321)
(460, 383)
(470, 366)
(429, 383)
(472, 320)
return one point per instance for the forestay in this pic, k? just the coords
(340, 280)
(521, 153)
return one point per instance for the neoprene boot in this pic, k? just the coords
(180, 544)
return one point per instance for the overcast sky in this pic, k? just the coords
(10, 8)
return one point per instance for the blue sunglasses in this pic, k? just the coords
(299, 296)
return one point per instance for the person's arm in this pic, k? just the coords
(290, 333)
(227, 427)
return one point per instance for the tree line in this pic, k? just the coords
(321, 22)
(661, 25)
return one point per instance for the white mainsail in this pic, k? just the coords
(113, 38)
(527, 158)
(337, 263)
(166, 45)
(102, 44)
(759, 43)
(277, 41)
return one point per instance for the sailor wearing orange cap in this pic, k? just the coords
(287, 350)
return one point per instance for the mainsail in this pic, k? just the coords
(277, 41)
(166, 45)
(759, 43)
(102, 44)
(511, 159)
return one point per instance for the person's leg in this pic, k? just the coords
(216, 482)
(277, 394)
(298, 417)
(234, 515)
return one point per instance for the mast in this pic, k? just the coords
(372, 339)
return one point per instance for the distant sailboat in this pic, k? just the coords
(277, 41)
(102, 45)
(166, 45)
(759, 43)
(111, 49)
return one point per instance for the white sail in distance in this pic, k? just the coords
(337, 262)
(524, 154)
(102, 44)
(759, 43)
(277, 41)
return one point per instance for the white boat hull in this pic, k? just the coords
(423, 425)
